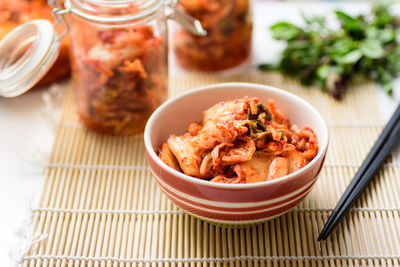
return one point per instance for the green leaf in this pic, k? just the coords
(323, 72)
(387, 87)
(382, 15)
(349, 23)
(285, 31)
(341, 47)
(393, 59)
(372, 48)
(384, 79)
(387, 35)
(349, 58)
(300, 44)
(366, 65)
(383, 35)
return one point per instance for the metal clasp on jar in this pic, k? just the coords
(58, 14)
(187, 21)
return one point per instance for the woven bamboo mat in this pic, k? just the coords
(101, 207)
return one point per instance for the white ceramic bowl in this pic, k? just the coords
(232, 204)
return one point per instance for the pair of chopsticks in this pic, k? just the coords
(385, 144)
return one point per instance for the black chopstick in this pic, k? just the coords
(367, 162)
(369, 174)
(366, 172)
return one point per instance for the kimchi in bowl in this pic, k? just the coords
(232, 204)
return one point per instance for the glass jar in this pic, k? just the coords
(119, 70)
(118, 52)
(229, 30)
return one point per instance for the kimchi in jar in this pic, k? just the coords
(228, 41)
(119, 70)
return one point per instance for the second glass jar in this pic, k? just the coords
(229, 32)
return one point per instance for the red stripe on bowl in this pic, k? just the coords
(235, 218)
(236, 209)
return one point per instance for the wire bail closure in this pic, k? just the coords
(188, 22)
(58, 14)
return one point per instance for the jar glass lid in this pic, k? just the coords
(26, 55)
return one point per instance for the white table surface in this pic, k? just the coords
(25, 129)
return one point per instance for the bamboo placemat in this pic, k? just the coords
(101, 207)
